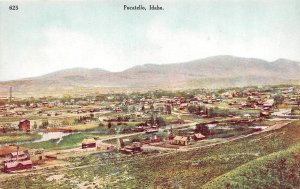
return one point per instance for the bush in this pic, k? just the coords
(160, 121)
(203, 129)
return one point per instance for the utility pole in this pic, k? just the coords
(10, 94)
(17, 153)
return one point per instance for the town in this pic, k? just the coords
(57, 133)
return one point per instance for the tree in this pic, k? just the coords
(109, 125)
(209, 112)
(192, 109)
(278, 99)
(152, 120)
(203, 129)
(168, 109)
(298, 101)
(35, 125)
(125, 108)
(45, 123)
(151, 107)
(101, 124)
(160, 121)
(92, 116)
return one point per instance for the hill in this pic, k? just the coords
(278, 170)
(211, 72)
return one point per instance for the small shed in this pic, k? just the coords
(198, 136)
(88, 143)
(264, 114)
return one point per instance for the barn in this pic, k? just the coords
(24, 125)
(17, 165)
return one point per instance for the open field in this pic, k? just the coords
(18, 137)
(69, 141)
(80, 127)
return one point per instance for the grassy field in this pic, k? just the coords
(13, 119)
(18, 136)
(266, 160)
(82, 127)
(69, 141)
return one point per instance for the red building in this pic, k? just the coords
(24, 125)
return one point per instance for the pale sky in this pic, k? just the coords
(46, 36)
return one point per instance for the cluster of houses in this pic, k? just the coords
(186, 139)
(15, 159)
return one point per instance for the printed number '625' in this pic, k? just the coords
(13, 7)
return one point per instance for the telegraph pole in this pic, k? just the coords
(10, 94)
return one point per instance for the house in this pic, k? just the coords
(24, 125)
(264, 114)
(268, 104)
(118, 109)
(106, 147)
(17, 165)
(153, 139)
(135, 147)
(198, 136)
(88, 143)
(151, 130)
(183, 106)
(180, 140)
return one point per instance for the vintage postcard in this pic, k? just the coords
(181, 94)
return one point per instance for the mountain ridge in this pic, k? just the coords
(210, 72)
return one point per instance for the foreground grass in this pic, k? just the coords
(277, 170)
(271, 157)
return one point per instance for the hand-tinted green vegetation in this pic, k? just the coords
(18, 136)
(237, 164)
(69, 141)
(277, 170)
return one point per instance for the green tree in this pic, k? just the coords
(160, 121)
(278, 99)
(109, 125)
(35, 125)
(298, 101)
(203, 129)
